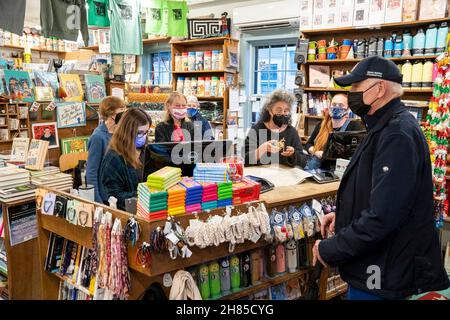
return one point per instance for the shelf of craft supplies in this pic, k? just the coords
(348, 90)
(203, 72)
(333, 61)
(207, 41)
(264, 284)
(385, 26)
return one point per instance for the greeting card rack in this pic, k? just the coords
(141, 277)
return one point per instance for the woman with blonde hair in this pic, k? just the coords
(119, 171)
(336, 119)
(176, 126)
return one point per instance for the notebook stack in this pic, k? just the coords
(177, 200)
(194, 192)
(209, 197)
(245, 191)
(224, 194)
(164, 178)
(211, 172)
(15, 184)
(53, 178)
(152, 204)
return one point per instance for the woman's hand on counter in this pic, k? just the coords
(289, 152)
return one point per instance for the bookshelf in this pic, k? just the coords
(14, 119)
(224, 44)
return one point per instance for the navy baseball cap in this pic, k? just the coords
(371, 67)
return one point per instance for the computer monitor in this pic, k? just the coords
(184, 155)
(343, 144)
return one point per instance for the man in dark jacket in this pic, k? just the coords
(386, 244)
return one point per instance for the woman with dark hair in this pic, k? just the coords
(119, 171)
(273, 139)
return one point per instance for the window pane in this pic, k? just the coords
(291, 65)
(262, 58)
(290, 80)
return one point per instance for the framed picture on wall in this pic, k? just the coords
(46, 131)
(71, 114)
(74, 145)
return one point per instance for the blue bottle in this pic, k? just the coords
(430, 40)
(407, 43)
(398, 47)
(441, 42)
(418, 43)
(388, 48)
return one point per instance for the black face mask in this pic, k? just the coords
(281, 120)
(356, 102)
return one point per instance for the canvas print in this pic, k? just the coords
(95, 88)
(71, 114)
(74, 145)
(46, 131)
(72, 85)
(47, 79)
(18, 85)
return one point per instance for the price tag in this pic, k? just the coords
(172, 238)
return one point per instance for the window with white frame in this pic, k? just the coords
(275, 68)
(159, 68)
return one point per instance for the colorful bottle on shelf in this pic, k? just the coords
(221, 89)
(225, 280)
(180, 84)
(418, 43)
(214, 279)
(207, 86)
(178, 62)
(208, 61)
(407, 74)
(185, 60)
(255, 256)
(215, 60)
(388, 48)
(271, 261)
(194, 86)
(435, 71)
(201, 87)
(187, 86)
(281, 258)
(380, 47)
(191, 60)
(417, 71)
(203, 282)
(199, 60)
(291, 255)
(441, 42)
(235, 273)
(246, 272)
(372, 47)
(407, 43)
(427, 75)
(398, 47)
(430, 40)
(214, 86)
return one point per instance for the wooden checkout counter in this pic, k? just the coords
(23, 279)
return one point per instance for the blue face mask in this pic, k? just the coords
(192, 112)
(337, 113)
(140, 141)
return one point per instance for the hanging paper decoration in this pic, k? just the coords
(437, 129)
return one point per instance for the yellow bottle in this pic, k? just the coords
(407, 74)
(427, 75)
(416, 80)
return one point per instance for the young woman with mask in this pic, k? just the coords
(336, 119)
(273, 139)
(176, 127)
(119, 172)
(109, 109)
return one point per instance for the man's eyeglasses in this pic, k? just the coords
(338, 105)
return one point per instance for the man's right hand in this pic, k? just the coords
(328, 223)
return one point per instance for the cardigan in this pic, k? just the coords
(97, 145)
(118, 179)
(164, 131)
